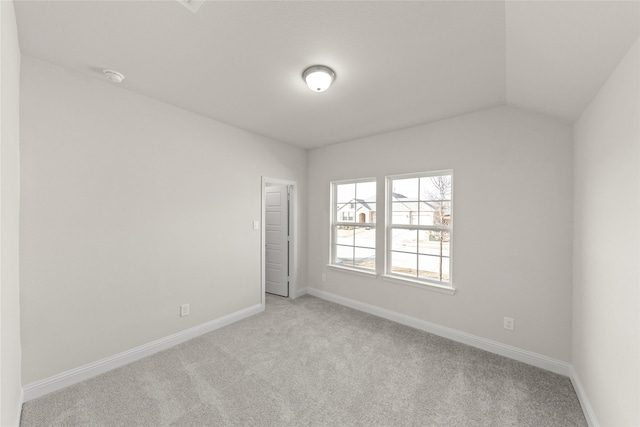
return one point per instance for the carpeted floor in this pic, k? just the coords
(309, 362)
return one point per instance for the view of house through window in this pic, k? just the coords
(354, 235)
(419, 224)
(419, 227)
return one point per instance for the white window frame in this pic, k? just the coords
(389, 227)
(335, 223)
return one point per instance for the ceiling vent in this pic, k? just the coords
(192, 5)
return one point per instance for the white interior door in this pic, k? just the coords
(277, 240)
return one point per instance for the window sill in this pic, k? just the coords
(420, 285)
(369, 274)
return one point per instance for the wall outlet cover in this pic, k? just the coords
(509, 323)
(184, 310)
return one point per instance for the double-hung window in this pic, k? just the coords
(353, 227)
(419, 226)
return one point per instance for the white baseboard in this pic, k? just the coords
(525, 356)
(301, 292)
(73, 376)
(589, 414)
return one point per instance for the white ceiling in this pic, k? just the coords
(398, 63)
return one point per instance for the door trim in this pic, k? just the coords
(293, 229)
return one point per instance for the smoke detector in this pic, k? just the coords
(113, 76)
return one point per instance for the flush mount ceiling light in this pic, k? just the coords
(113, 76)
(192, 5)
(318, 77)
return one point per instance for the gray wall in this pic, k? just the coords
(512, 216)
(9, 217)
(130, 208)
(606, 286)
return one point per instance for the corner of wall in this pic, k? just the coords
(605, 347)
(587, 409)
(10, 346)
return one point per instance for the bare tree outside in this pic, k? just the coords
(439, 198)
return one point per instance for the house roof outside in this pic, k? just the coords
(356, 202)
(410, 205)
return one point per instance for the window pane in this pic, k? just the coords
(405, 189)
(404, 213)
(345, 193)
(366, 191)
(365, 237)
(344, 255)
(435, 213)
(435, 187)
(402, 263)
(363, 211)
(365, 258)
(404, 240)
(434, 243)
(346, 212)
(434, 268)
(429, 267)
(446, 269)
(344, 235)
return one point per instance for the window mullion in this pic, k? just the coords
(419, 184)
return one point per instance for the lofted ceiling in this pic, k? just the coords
(398, 63)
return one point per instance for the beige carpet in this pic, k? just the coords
(309, 362)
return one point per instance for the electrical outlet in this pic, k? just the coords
(324, 277)
(184, 310)
(509, 323)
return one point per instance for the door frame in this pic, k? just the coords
(293, 230)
